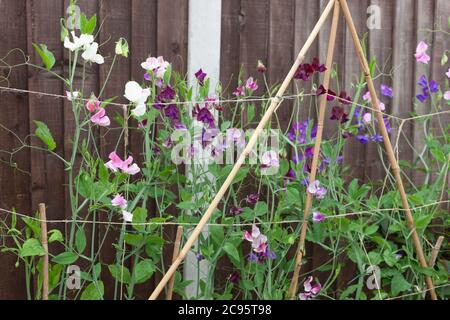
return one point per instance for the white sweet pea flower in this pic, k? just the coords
(72, 95)
(127, 216)
(78, 42)
(90, 54)
(138, 96)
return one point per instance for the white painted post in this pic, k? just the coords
(205, 18)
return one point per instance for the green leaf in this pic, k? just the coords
(139, 216)
(43, 133)
(47, 57)
(65, 258)
(399, 284)
(32, 247)
(232, 252)
(260, 208)
(120, 274)
(93, 292)
(80, 240)
(143, 271)
(55, 235)
(87, 26)
(250, 112)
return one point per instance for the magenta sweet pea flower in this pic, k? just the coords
(100, 118)
(200, 75)
(119, 201)
(318, 217)
(421, 53)
(316, 190)
(252, 198)
(310, 291)
(115, 164)
(239, 91)
(251, 84)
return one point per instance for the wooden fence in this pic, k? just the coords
(269, 30)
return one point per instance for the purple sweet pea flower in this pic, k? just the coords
(386, 91)
(235, 211)
(234, 277)
(298, 132)
(376, 138)
(167, 94)
(200, 75)
(199, 256)
(316, 190)
(318, 217)
(363, 138)
(252, 198)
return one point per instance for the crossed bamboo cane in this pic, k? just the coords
(276, 101)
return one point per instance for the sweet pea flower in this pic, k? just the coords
(310, 291)
(363, 138)
(367, 97)
(72, 95)
(119, 201)
(316, 190)
(251, 84)
(157, 65)
(258, 240)
(127, 216)
(367, 117)
(138, 96)
(421, 53)
(100, 118)
(115, 164)
(91, 55)
(318, 217)
(447, 95)
(386, 91)
(376, 138)
(200, 75)
(261, 67)
(78, 42)
(448, 73)
(252, 198)
(93, 104)
(270, 159)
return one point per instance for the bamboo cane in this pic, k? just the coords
(312, 177)
(434, 254)
(275, 102)
(388, 146)
(44, 242)
(176, 250)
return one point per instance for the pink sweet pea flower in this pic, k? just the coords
(447, 95)
(119, 201)
(311, 291)
(315, 189)
(100, 118)
(93, 104)
(367, 97)
(367, 117)
(258, 240)
(421, 53)
(116, 163)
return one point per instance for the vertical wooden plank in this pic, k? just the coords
(142, 45)
(172, 32)
(14, 182)
(354, 151)
(424, 21)
(230, 47)
(441, 43)
(380, 47)
(404, 83)
(281, 49)
(116, 17)
(254, 38)
(47, 180)
(306, 15)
